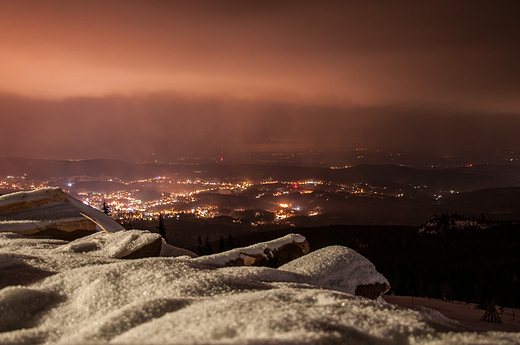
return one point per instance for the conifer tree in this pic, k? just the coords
(221, 245)
(207, 246)
(105, 208)
(230, 242)
(161, 227)
(200, 248)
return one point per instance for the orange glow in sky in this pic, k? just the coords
(304, 52)
(342, 72)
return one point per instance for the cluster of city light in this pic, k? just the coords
(177, 194)
(21, 183)
(124, 204)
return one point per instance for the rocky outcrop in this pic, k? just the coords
(335, 267)
(268, 254)
(372, 291)
(21, 201)
(63, 229)
(51, 213)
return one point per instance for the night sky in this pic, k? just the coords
(123, 79)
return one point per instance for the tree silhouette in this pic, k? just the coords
(230, 242)
(105, 208)
(200, 247)
(221, 245)
(207, 246)
(161, 227)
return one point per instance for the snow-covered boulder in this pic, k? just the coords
(336, 267)
(51, 212)
(339, 268)
(269, 254)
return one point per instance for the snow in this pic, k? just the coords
(169, 250)
(56, 292)
(466, 314)
(335, 267)
(246, 253)
(25, 226)
(48, 195)
(113, 245)
(29, 212)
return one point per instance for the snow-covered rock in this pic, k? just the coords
(87, 298)
(339, 268)
(269, 254)
(445, 223)
(51, 212)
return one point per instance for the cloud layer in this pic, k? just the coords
(227, 74)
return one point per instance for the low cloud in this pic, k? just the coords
(173, 126)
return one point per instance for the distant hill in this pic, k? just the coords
(49, 168)
(494, 203)
(98, 186)
(390, 176)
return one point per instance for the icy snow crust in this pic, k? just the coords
(75, 297)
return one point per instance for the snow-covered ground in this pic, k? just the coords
(53, 291)
(466, 314)
(90, 291)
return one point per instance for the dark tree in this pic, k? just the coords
(161, 228)
(230, 242)
(200, 248)
(207, 246)
(105, 208)
(221, 245)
